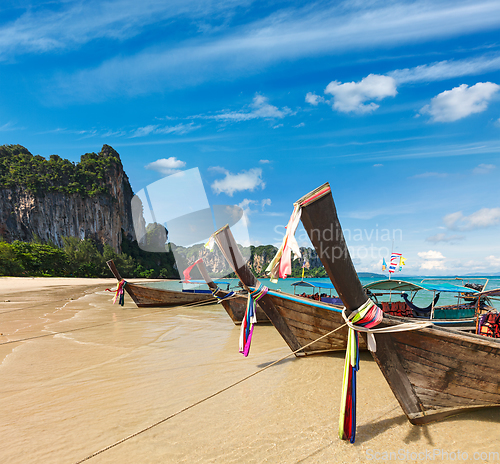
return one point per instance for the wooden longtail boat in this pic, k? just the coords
(434, 372)
(145, 296)
(236, 304)
(299, 320)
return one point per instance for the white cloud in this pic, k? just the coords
(166, 166)
(314, 99)
(300, 125)
(446, 70)
(425, 175)
(378, 165)
(264, 161)
(277, 126)
(70, 24)
(444, 238)
(460, 102)
(244, 49)
(433, 260)
(431, 254)
(245, 180)
(493, 261)
(265, 202)
(259, 108)
(484, 169)
(433, 265)
(352, 96)
(156, 129)
(485, 217)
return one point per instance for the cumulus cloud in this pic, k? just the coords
(493, 261)
(433, 260)
(259, 108)
(444, 238)
(485, 217)
(484, 169)
(166, 166)
(431, 254)
(314, 99)
(460, 102)
(353, 96)
(264, 161)
(245, 180)
(300, 125)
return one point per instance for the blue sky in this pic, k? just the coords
(396, 104)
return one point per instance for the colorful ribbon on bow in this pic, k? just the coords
(250, 319)
(369, 315)
(119, 293)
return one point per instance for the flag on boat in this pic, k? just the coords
(384, 264)
(394, 262)
(187, 271)
(402, 262)
(210, 244)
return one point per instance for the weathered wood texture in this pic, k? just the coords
(310, 321)
(433, 372)
(144, 296)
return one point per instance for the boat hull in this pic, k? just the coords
(236, 306)
(435, 372)
(145, 296)
(309, 320)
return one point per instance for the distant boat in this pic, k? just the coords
(434, 372)
(146, 296)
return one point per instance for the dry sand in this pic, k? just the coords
(64, 396)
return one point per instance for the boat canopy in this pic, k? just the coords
(203, 282)
(303, 283)
(403, 286)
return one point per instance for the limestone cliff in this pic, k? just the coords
(51, 199)
(258, 259)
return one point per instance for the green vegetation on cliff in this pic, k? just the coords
(19, 168)
(82, 258)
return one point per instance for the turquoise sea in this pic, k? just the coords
(423, 298)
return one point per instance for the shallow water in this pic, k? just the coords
(66, 396)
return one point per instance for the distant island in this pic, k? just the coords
(371, 275)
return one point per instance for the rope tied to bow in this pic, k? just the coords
(215, 292)
(363, 319)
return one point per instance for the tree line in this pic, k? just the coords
(82, 258)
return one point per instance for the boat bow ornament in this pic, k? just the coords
(281, 265)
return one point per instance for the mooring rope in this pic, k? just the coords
(161, 421)
(96, 325)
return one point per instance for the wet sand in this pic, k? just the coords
(66, 396)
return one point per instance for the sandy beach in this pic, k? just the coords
(79, 374)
